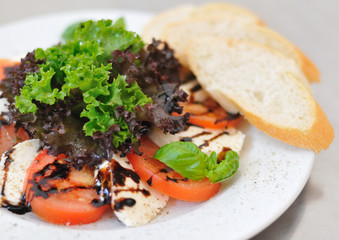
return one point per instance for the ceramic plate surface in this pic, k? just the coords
(271, 174)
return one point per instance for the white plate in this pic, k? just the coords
(271, 174)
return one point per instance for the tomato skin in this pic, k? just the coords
(210, 120)
(8, 137)
(170, 183)
(4, 63)
(210, 115)
(71, 203)
(58, 208)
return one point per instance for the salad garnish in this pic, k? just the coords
(187, 159)
(96, 93)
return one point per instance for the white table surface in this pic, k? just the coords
(313, 25)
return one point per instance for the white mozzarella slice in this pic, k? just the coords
(13, 166)
(4, 104)
(207, 140)
(134, 203)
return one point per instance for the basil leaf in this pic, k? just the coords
(185, 158)
(188, 160)
(225, 169)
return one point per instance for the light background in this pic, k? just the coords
(313, 25)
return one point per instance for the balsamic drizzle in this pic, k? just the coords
(121, 203)
(8, 162)
(230, 117)
(21, 207)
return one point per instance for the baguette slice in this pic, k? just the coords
(180, 33)
(154, 28)
(264, 85)
(227, 9)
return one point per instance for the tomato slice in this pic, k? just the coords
(210, 115)
(165, 179)
(213, 121)
(8, 137)
(59, 194)
(3, 64)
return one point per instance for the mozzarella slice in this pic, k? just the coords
(133, 202)
(208, 140)
(4, 104)
(13, 166)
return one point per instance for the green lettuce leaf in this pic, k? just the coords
(81, 64)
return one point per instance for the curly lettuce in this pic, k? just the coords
(80, 64)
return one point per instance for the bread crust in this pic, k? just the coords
(317, 138)
(309, 68)
(316, 135)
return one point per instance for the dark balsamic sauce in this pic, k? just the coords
(230, 117)
(186, 139)
(103, 185)
(120, 174)
(121, 203)
(176, 179)
(119, 177)
(196, 88)
(149, 181)
(193, 90)
(40, 184)
(115, 174)
(207, 142)
(20, 209)
(166, 170)
(190, 139)
(222, 154)
(201, 134)
(145, 192)
(8, 162)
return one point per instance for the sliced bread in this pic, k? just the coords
(227, 9)
(180, 33)
(265, 85)
(154, 28)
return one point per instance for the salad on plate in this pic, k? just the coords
(102, 121)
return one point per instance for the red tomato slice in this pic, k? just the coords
(69, 198)
(167, 181)
(3, 64)
(210, 115)
(8, 137)
(213, 121)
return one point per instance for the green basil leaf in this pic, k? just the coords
(225, 169)
(185, 158)
(188, 160)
